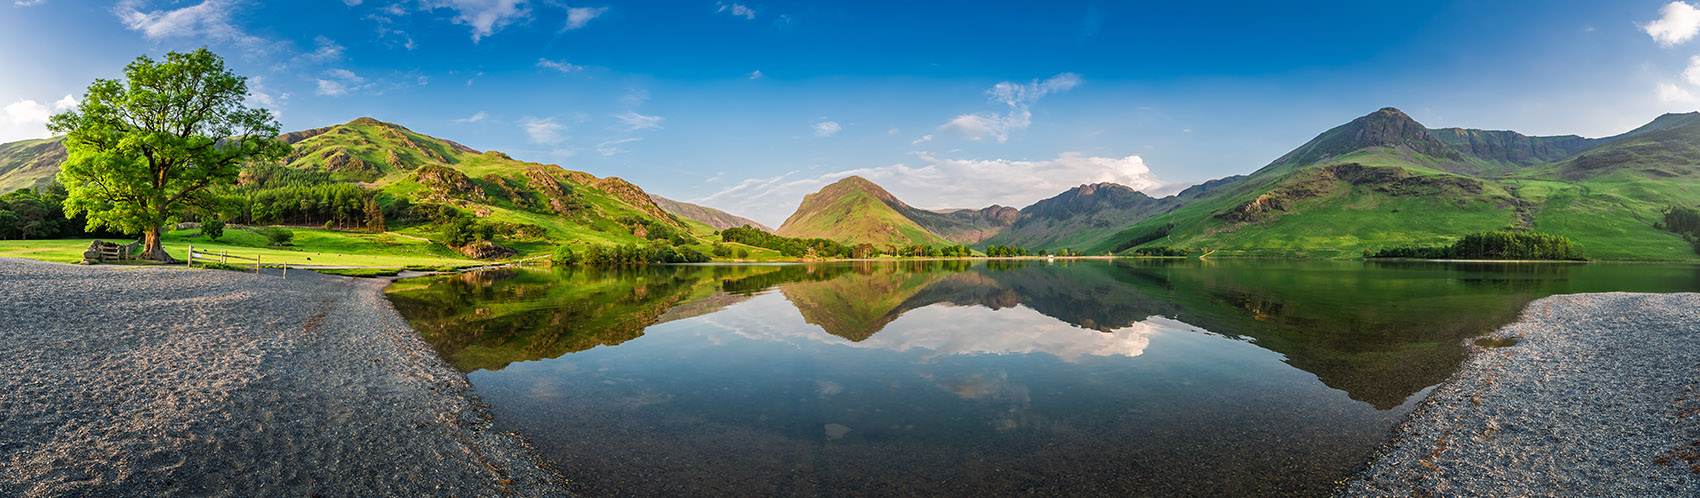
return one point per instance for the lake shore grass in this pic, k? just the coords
(162, 381)
(1585, 395)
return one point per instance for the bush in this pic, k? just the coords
(213, 229)
(460, 232)
(564, 256)
(278, 236)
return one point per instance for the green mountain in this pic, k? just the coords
(29, 163)
(1383, 180)
(532, 205)
(716, 218)
(856, 211)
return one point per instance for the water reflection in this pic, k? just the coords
(1165, 377)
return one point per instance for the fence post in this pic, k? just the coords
(191, 263)
(256, 264)
(224, 257)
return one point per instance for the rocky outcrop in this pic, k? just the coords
(633, 196)
(484, 249)
(448, 182)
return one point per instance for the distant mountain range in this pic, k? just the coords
(1381, 180)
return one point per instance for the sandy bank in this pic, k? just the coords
(161, 381)
(1597, 398)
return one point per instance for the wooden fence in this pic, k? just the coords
(224, 258)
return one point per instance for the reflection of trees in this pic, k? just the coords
(1379, 331)
(488, 319)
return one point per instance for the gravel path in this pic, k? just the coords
(168, 382)
(1598, 398)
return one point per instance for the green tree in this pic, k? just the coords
(374, 216)
(144, 147)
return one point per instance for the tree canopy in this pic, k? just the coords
(144, 147)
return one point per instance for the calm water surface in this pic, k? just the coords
(952, 378)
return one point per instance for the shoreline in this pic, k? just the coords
(1598, 396)
(145, 381)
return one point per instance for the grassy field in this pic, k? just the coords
(310, 247)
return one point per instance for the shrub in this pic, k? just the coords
(564, 256)
(278, 236)
(213, 229)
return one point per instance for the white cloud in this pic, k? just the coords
(209, 19)
(25, 112)
(755, 75)
(69, 101)
(1669, 92)
(479, 116)
(544, 131)
(922, 140)
(1019, 98)
(736, 9)
(24, 119)
(578, 16)
(351, 3)
(485, 17)
(562, 66)
(825, 129)
(27, 3)
(633, 121)
(1692, 74)
(1678, 22)
(339, 82)
(612, 147)
(945, 183)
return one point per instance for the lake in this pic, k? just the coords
(974, 378)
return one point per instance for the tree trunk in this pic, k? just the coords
(153, 249)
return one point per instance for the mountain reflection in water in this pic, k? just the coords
(1168, 377)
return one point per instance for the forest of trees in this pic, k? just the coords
(40, 214)
(1494, 245)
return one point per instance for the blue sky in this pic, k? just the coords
(747, 106)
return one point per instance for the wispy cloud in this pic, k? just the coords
(479, 116)
(325, 50)
(755, 75)
(612, 147)
(1019, 98)
(562, 66)
(544, 131)
(577, 17)
(632, 121)
(736, 9)
(339, 82)
(945, 183)
(825, 129)
(485, 17)
(210, 19)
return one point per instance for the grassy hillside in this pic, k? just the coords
(1389, 193)
(714, 218)
(29, 163)
(855, 211)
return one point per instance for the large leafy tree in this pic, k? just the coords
(145, 147)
